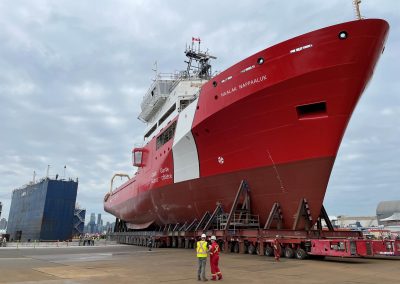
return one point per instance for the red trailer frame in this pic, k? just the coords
(240, 232)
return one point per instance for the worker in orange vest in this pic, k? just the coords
(277, 248)
(214, 259)
(202, 253)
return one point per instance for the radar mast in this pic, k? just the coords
(200, 68)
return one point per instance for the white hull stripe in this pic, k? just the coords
(186, 161)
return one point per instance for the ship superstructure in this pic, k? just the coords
(170, 93)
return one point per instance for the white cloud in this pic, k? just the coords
(88, 91)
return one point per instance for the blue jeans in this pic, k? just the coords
(201, 273)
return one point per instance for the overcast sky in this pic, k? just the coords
(73, 73)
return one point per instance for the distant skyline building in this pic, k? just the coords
(3, 224)
(109, 227)
(94, 227)
(92, 223)
(1, 207)
(99, 225)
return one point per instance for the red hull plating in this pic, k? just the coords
(279, 126)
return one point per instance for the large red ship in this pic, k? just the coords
(275, 119)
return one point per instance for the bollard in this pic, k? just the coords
(17, 243)
(34, 244)
(57, 243)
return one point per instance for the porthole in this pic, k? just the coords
(215, 83)
(343, 35)
(260, 60)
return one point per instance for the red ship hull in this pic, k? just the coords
(277, 124)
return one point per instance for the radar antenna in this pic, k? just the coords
(356, 4)
(203, 68)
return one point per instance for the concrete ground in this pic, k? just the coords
(131, 264)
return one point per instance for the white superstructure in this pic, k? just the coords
(169, 94)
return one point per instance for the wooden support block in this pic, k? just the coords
(227, 247)
(261, 248)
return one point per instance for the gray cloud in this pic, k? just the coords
(72, 75)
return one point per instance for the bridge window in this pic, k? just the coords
(167, 135)
(150, 131)
(184, 103)
(168, 113)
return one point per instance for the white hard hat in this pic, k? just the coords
(203, 236)
(214, 238)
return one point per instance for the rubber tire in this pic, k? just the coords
(289, 252)
(269, 251)
(300, 253)
(236, 247)
(251, 249)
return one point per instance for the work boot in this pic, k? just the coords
(205, 279)
(219, 276)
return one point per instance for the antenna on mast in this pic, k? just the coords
(155, 68)
(356, 4)
(203, 68)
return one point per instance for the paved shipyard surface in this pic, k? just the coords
(132, 264)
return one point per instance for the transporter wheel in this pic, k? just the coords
(300, 253)
(236, 247)
(269, 251)
(251, 249)
(289, 252)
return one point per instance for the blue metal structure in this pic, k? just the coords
(43, 211)
(78, 221)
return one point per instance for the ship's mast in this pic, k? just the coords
(203, 68)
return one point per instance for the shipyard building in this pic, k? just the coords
(43, 210)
